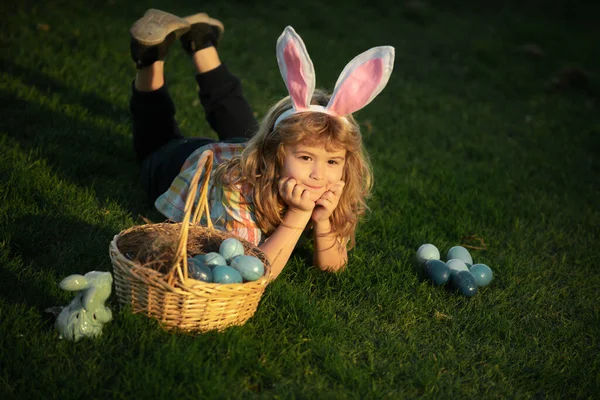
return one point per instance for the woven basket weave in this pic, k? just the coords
(172, 297)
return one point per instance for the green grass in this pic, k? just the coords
(467, 139)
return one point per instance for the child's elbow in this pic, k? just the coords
(333, 268)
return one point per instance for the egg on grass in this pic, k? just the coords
(460, 253)
(465, 282)
(456, 265)
(437, 271)
(482, 273)
(426, 252)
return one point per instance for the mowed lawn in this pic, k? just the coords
(487, 135)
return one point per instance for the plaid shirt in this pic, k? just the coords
(230, 210)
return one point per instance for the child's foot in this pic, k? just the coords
(152, 35)
(204, 32)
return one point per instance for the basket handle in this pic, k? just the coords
(202, 208)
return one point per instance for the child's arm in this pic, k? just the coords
(279, 246)
(330, 253)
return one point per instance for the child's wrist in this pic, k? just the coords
(322, 227)
(294, 219)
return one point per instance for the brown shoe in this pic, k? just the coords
(204, 32)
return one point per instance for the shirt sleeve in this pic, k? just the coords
(233, 211)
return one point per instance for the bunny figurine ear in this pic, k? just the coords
(74, 283)
(362, 80)
(296, 68)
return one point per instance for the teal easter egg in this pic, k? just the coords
(482, 273)
(231, 248)
(456, 265)
(199, 271)
(213, 259)
(200, 259)
(460, 253)
(465, 282)
(250, 267)
(226, 274)
(426, 252)
(437, 271)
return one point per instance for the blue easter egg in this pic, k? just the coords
(199, 271)
(230, 248)
(456, 265)
(213, 259)
(200, 259)
(465, 282)
(226, 274)
(426, 252)
(437, 271)
(482, 273)
(460, 253)
(250, 267)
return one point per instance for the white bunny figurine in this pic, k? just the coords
(86, 314)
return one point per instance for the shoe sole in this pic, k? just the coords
(156, 25)
(206, 19)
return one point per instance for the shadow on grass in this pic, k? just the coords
(79, 134)
(44, 250)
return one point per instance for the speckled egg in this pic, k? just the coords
(250, 267)
(465, 282)
(231, 248)
(426, 252)
(460, 253)
(482, 273)
(199, 271)
(226, 274)
(437, 271)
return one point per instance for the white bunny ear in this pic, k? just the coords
(296, 68)
(362, 80)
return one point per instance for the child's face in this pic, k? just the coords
(314, 167)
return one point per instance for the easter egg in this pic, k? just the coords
(460, 253)
(465, 282)
(200, 259)
(199, 271)
(213, 259)
(427, 252)
(482, 273)
(226, 274)
(250, 267)
(437, 271)
(456, 265)
(230, 248)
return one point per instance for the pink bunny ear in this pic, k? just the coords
(362, 80)
(296, 68)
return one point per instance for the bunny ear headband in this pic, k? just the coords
(359, 83)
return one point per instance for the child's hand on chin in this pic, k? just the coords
(328, 202)
(295, 195)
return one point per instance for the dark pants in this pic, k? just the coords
(160, 147)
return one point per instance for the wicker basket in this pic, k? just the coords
(172, 297)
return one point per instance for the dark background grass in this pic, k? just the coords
(474, 135)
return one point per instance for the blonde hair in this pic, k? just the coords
(261, 162)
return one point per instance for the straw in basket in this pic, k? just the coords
(171, 296)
